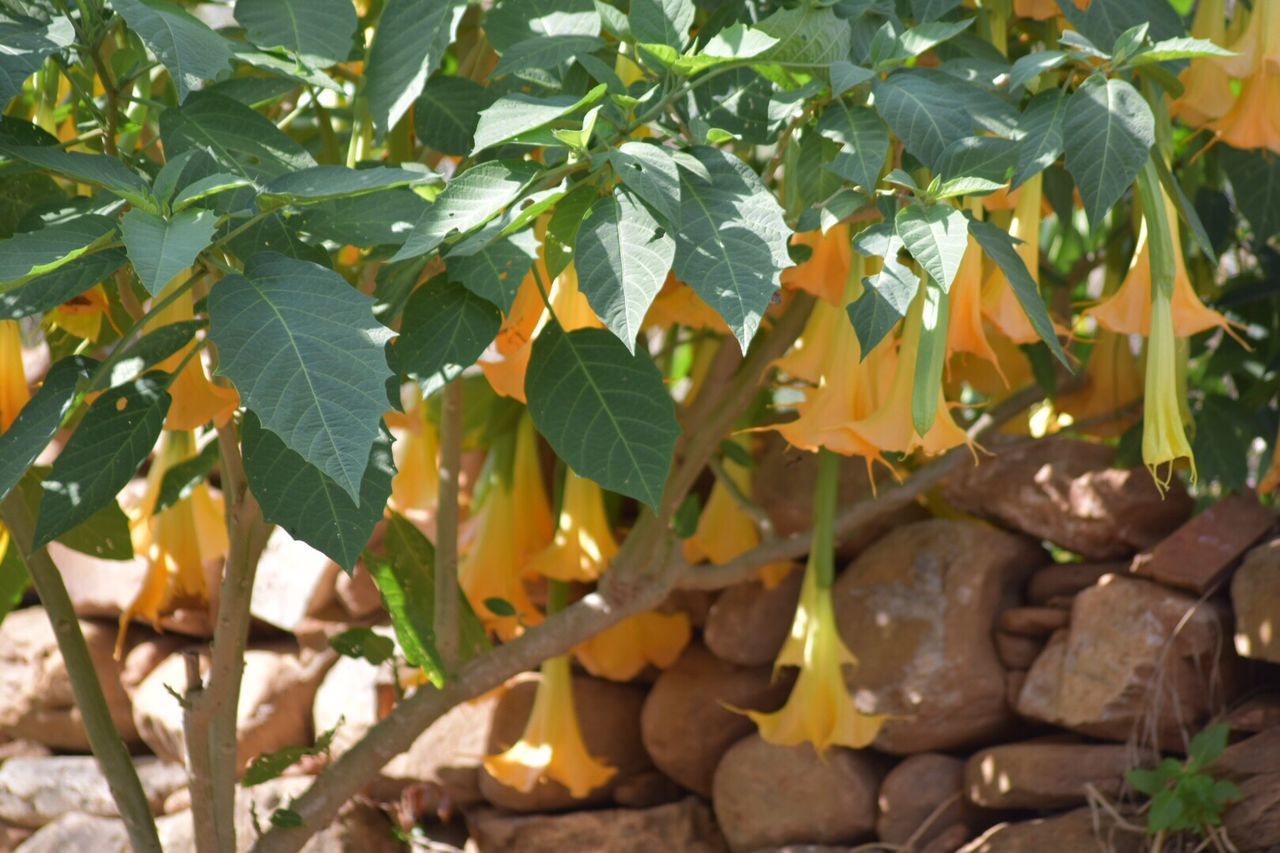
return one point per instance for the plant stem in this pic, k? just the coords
(108, 747)
(822, 557)
(446, 599)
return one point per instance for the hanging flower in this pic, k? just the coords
(583, 544)
(621, 652)
(826, 270)
(812, 351)
(1112, 382)
(511, 525)
(1206, 85)
(999, 302)
(679, 304)
(1254, 118)
(178, 542)
(81, 317)
(415, 488)
(1257, 47)
(551, 747)
(966, 332)
(1164, 440)
(14, 392)
(197, 400)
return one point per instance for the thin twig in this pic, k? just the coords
(446, 581)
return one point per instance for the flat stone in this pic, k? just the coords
(1255, 714)
(293, 581)
(1253, 823)
(79, 832)
(1064, 580)
(1255, 598)
(1033, 621)
(1044, 776)
(1017, 652)
(1073, 831)
(913, 791)
(749, 622)
(1199, 554)
(767, 795)
(37, 791)
(686, 825)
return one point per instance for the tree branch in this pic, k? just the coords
(445, 618)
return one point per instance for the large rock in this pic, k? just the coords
(1200, 553)
(1255, 598)
(276, 693)
(1073, 831)
(1253, 823)
(687, 724)
(293, 581)
(36, 791)
(609, 718)
(1066, 492)
(36, 700)
(1044, 776)
(1063, 580)
(76, 832)
(1128, 638)
(352, 691)
(917, 609)
(749, 622)
(924, 787)
(448, 754)
(686, 826)
(768, 796)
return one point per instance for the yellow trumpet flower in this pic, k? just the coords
(678, 303)
(512, 524)
(177, 542)
(14, 391)
(826, 270)
(621, 652)
(1112, 382)
(809, 355)
(966, 332)
(1164, 439)
(1254, 119)
(1206, 84)
(1257, 47)
(415, 488)
(196, 399)
(583, 544)
(551, 747)
(999, 302)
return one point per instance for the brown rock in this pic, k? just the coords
(684, 826)
(917, 609)
(686, 725)
(1256, 714)
(748, 623)
(1255, 598)
(77, 831)
(1014, 680)
(36, 701)
(1064, 491)
(350, 691)
(1033, 621)
(949, 839)
(1200, 553)
(449, 752)
(1064, 580)
(694, 603)
(609, 717)
(293, 581)
(37, 791)
(1253, 823)
(768, 795)
(1044, 776)
(357, 593)
(1017, 652)
(1100, 677)
(913, 791)
(1073, 831)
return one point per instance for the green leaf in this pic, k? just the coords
(1145, 781)
(206, 187)
(1209, 743)
(161, 249)
(182, 479)
(936, 236)
(925, 37)
(864, 142)
(308, 359)
(104, 535)
(604, 410)
(1178, 48)
(511, 23)
(1255, 181)
(153, 348)
(313, 28)
(885, 300)
(999, 246)
(29, 254)
(808, 37)
(1107, 133)
(467, 202)
(116, 435)
(930, 358)
(1105, 20)
(410, 41)
(27, 43)
(731, 246)
(446, 113)
(308, 504)
(446, 327)
(240, 141)
(499, 607)
(1166, 810)
(650, 172)
(324, 183)
(734, 44)
(14, 579)
(623, 255)
(106, 172)
(562, 230)
(544, 52)
(369, 220)
(661, 21)
(269, 765)
(297, 69)
(496, 271)
(364, 644)
(286, 818)
(929, 109)
(1040, 139)
(846, 75)
(1031, 66)
(517, 114)
(976, 164)
(187, 47)
(48, 291)
(1186, 210)
(38, 422)
(406, 580)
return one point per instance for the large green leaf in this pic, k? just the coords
(38, 422)
(605, 411)
(446, 113)
(27, 43)
(936, 236)
(50, 290)
(864, 142)
(661, 21)
(513, 22)
(369, 220)
(976, 164)
(411, 39)
(322, 183)
(1107, 133)
(107, 172)
(308, 359)
(562, 230)
(467, 202)
(496, 271)
(151, 349)
(190, 50)
(650, 172)
(735, 44)
(544, 52)
(885, 299)
(1040, 134)
(623, 255)
(241, 141)
(444, 330)
(14, 579)
(104, 535)
(309, 505)
(1255, 178)
(514, 115)
(928, 109)
(116, 435)
(313, 28)
(181, 479)
(32, 253)
(808, 37)
(207, 187)
(731, 246)
(161, 249)
(1104, 20)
